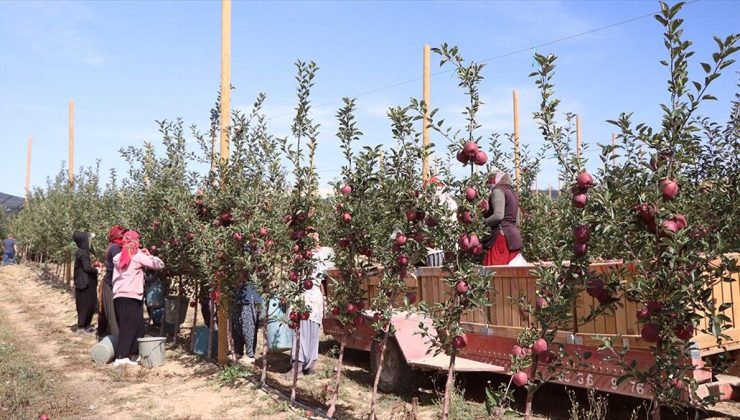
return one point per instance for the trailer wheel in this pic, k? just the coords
(396, 375)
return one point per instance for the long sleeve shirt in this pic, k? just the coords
(129, 283)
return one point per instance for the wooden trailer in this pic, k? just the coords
(493, 331)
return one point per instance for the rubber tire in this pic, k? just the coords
(397, 376)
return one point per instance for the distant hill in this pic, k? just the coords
(11, 203)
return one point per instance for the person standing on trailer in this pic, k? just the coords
(504, 242)
(128, 295)
(106, 315)
(85, 282)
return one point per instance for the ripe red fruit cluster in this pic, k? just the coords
(674, 224)
(462, 287)
(472, 153)
(582, 235)
(460, 341)
(470, 242)
(584, 181)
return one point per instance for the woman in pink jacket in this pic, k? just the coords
(128, 295)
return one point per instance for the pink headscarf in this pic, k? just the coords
(130, 248)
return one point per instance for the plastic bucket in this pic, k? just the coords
(151, 351)
(175, 309)
(201, 341)
(279, 334)
(105, 350)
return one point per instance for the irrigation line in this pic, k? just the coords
(486, 60)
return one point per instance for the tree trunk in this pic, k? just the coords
(195, 320)
(230, 339)
(265, 347)
(531, 390)
(338, 378)
(374, 398)
(212, 308)
(296, 361)
(449, 386)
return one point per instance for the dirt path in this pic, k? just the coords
(41, 316)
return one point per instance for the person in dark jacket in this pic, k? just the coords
(107, 315)
(85, 282)
(505, 240)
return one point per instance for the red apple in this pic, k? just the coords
(654, 307)
(460, 341)
(351, 308)
(464, 217)
(477, 250)
(483, 206)
(517, 350)
(670, 226)
(677, 383)
(462, 157)
(685, 332)
(400, 239)
(470, 148)
(376, 317)
(669, 188)
(343, 243)
(580, 249)
(603, 296)
(305, 315)
(582, 234)
(650, 333)
(539, 346)
(680, 220)
(541, 303)
(263, 231)
(345, 190)
(411, 215)
(346, 217)
(307, 284)
(293, 316)
(480, 158)
(585, 180)
(411, 297)
(519, 379)
(402, 260)
(646, 211)
(642, 314)
(579, 200)
(470, 193)
(336, 311)
(461, 287)
(463, 241)
(293, 276)
(594, 287)
(237, 236)
(474, 242)
(431, 222)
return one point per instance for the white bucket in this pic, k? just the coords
(151, 351)
(105, 350)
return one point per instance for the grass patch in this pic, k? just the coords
(25, 390)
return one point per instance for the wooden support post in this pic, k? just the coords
(28, 169)
(224, 122)
(71, 169)
(614, 143)
(578, 138)
(425, 127)
(549, 191)
(517, 161)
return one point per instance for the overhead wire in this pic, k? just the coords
(486, 60)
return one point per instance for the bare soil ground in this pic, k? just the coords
(40, 351)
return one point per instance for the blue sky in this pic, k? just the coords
(129, 63)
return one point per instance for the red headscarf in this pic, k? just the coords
(130, 248)
(115, 234)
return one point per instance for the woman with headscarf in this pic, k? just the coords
(106, 315)
(128, 295)
(505, 241)
(85, 282)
